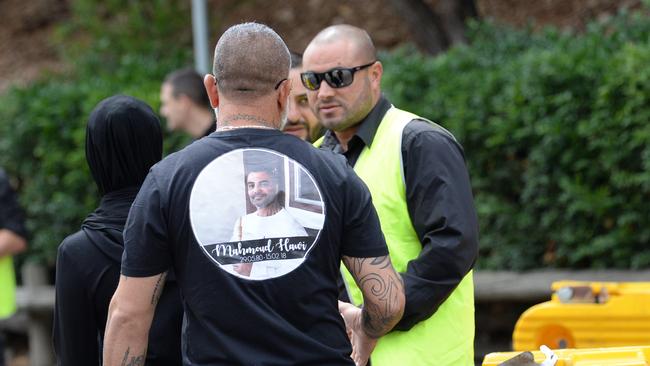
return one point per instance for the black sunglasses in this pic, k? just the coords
(337, 77)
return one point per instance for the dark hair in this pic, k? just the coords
(296, 59)
(262, 161)
(270, 170)
(188, 82)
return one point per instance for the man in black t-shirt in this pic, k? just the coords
(183, 219)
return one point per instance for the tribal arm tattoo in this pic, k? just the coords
(383, 293)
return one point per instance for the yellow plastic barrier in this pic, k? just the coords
(615, 356)
(587, 315)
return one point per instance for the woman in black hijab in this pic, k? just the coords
(123, 140)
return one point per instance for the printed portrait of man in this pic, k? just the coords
(264, 221)
(270, 219)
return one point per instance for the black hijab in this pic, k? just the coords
(123, 140)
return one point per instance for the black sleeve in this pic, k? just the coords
(11, 216)
(145, 235)
(362, 236)
(75, 325)
(441, 207)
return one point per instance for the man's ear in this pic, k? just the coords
(210, 84)
(376, 71)
(283, 95)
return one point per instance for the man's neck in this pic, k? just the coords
(201, 119)
(346, 135)
(245, 120)
(239, 116)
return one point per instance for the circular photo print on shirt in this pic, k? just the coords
(256, 213)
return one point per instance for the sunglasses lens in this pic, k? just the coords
(339, 78)
(336, 78)
(310, 80)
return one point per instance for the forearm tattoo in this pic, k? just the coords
(157, 291)
(382, 288)
(134, 361)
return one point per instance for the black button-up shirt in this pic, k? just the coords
(440, 204)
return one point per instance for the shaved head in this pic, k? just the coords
(341, 107)
(250, 59)
(358, 38)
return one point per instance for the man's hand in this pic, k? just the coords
(362, 345)
(11, 243)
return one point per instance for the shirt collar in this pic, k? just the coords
(367, 127)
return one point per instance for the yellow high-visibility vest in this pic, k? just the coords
(7, 287)
(447, 337)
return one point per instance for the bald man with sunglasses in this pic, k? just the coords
(421, 189)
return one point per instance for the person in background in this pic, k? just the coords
(12, 241)
(420, 185)
(185, 105)
(291, 319)
(301, 121)
(123, 140)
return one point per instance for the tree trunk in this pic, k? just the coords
(436, 28)
(452, 13)
(424, 24)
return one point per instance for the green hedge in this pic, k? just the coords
(110, 47)
(556, 132)
(554, 126)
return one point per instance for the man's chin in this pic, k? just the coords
(334, 125)
(259, 204)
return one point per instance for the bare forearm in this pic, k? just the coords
(11, 243)
(125, 342)
(383, 294)
(381, 315)
(127, 330)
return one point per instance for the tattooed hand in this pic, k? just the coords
(362, 344)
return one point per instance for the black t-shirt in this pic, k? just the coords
(254, 223)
